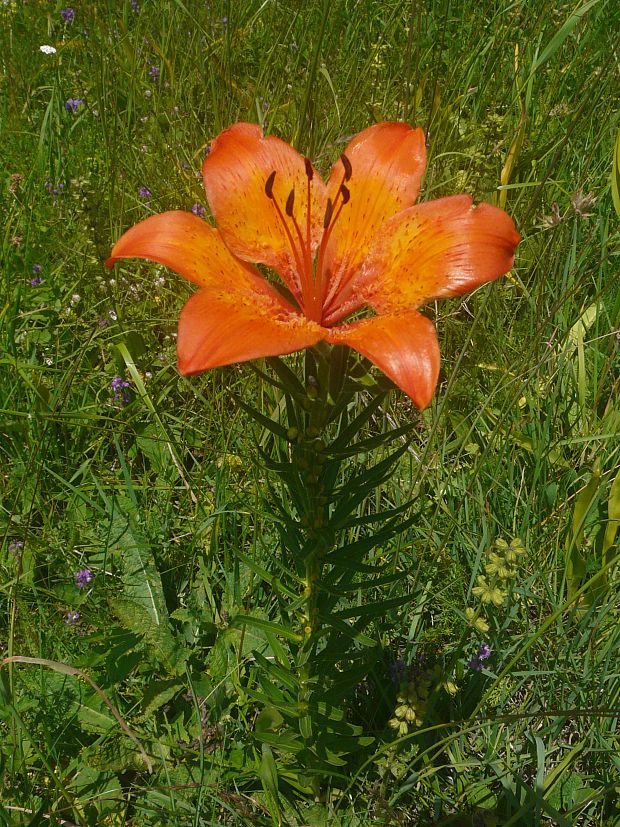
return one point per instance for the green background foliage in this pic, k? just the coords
(162, 497)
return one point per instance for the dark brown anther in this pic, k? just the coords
(289, 203)
(269, 184)
(348, 169)
(309, 170)
(346, 195)
(328, 213)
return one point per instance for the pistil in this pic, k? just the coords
(313, 283)
(332, 214)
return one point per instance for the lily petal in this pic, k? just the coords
(235, 172)
(439, 248)
(222, 327)
(186, 244)
(387, 163)
(403, 346)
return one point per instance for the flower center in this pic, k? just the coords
(311, 271)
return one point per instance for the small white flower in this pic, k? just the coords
(112, 315)
(48, 50)
(75, 298)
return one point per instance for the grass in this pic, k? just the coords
(520, 105)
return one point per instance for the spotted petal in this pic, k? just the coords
(387, 163)
(237, 315)
(439, 248)
(404, 346)
(219, 327)
(188, 245)
(235, 173)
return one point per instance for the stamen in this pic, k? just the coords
(348, 169)
(328, 214)
(289, 203)
(346, 195)
(269, 185)
(309, 170)
(297, 253)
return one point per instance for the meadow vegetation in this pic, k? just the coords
(137, 519)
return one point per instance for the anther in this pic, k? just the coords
(346, 195)
(309, 170)
(348, 169)
(328, 213)
(269, 184)
(289, 203)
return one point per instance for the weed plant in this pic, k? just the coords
(134, 521)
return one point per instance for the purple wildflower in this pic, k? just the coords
(36, 269)
(67, 15)
(144, 192)
(199, 210)
(120, 389)
(135, 6)
(54, 190)
(154, 73)
(398, 671)
(72, 617)
(83, 578)
(73, 104)
(16, 545)
(35, 281)
(476, 663)
(484, 651)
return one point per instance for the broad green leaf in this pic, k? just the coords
(94, 717)
(142, 608)
(65, 669)
(136, 618)
(141, 581)
(268, 720)
(156, 695)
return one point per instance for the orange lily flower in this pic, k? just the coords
(354, 242)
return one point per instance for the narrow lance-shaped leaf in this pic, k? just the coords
(575, 562)
(615, 176)
(613, 517)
